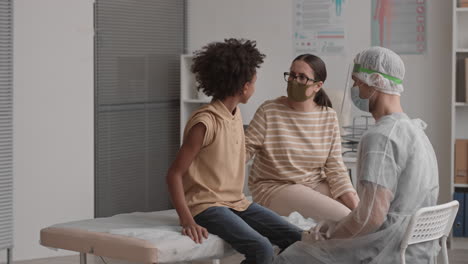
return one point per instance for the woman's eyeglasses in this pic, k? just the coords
(299, 78)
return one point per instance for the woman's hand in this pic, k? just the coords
(194, 231)
(350, 199)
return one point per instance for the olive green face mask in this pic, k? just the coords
(297, 91)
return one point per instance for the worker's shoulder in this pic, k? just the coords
(375, 139)
(391, 131)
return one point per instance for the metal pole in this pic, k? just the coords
(9, 255)
(82, 258)
(444, 250)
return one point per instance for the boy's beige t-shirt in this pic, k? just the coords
(216, 175)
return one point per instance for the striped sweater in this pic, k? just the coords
(293, 147)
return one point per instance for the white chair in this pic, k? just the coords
(430, 223)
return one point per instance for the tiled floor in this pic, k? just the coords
(456, 256)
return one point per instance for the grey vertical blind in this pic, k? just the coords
(138, 45)
(6, 125)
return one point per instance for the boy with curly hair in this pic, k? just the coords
(207, 177)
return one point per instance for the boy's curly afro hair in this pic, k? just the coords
(222, 68)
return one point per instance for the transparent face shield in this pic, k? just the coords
(354, 121)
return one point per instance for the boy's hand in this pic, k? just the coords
(195, 232)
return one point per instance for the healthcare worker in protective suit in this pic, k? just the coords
(397, 175)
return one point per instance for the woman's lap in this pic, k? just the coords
(314, 203)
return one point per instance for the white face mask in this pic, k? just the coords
(361, 104)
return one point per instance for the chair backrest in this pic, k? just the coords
(430, 223)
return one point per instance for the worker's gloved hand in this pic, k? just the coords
(322, 231)
(311, 236)
(325, 228)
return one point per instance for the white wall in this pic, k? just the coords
(427, 81)
(53, 119)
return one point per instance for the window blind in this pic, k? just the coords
(6, 124)
(137, 48)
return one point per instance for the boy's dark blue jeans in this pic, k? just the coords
(250, 232)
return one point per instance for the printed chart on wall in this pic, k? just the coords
(399, 25)
(319, 27)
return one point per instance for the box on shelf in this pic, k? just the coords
(462, 3)
(466, 80)
(461, 83)
(459, 223)
(465, 209)
(461, 161)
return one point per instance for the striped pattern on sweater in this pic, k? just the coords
(293, 147)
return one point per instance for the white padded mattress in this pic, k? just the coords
(146, 232)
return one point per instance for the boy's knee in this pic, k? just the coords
(264, 251)
(293, 237)
(290, 237)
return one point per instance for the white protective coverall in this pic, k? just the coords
(397, 175)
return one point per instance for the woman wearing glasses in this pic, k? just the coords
(296, 143)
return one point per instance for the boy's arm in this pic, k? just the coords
(187, 153)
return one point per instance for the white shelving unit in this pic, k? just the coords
(459, 109)
(190, 98)
(459, 105)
